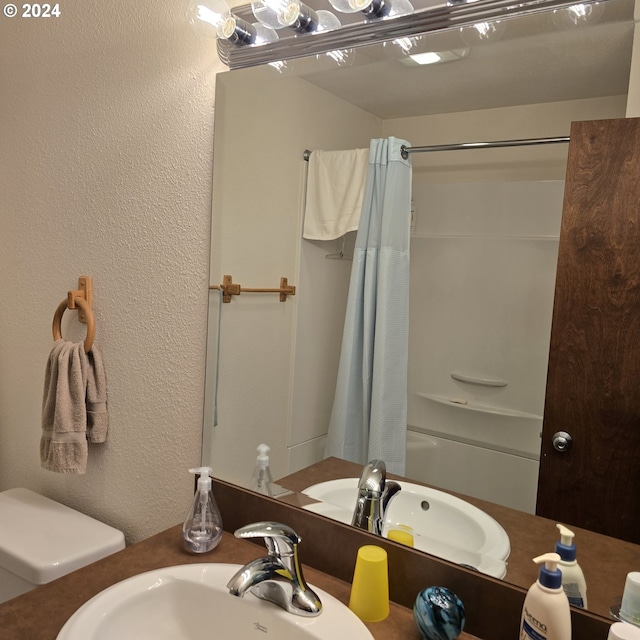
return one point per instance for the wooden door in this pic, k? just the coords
(593, 382)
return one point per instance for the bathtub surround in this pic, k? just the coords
(483, 271)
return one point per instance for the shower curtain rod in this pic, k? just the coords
(482, 145)
(473, 145)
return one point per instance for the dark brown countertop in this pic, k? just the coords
(41, 613)
(605, 561)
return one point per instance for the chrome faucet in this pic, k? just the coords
(374, 496)
(278, 576)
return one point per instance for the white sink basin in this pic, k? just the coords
(192, 602)
(442, 524)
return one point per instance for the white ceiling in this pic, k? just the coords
(534, 61)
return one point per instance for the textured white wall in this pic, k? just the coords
(106, 124)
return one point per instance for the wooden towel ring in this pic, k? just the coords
(90, 320)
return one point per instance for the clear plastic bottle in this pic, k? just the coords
(573, 581)
(202, 529)
(261, 481)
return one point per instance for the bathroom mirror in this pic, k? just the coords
(272, 364)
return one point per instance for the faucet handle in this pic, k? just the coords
(280, 539)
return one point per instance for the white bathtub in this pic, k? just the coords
(476, 471)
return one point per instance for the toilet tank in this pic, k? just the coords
(41, 540)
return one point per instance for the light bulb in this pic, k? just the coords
(263, 34)
(276, 13)
(326, 21)
(373, 8)
(347, 6)
(213, 19)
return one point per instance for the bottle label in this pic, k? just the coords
(573, 594)
(527, 632)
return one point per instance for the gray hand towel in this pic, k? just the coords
(63, 445)
(97, 416)
(74, 407)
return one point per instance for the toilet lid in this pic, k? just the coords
(41, 540)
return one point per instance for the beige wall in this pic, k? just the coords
(106, 119)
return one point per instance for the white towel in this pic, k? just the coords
(74, 401)
(335, 187)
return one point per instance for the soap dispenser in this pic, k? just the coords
(573, 581)
(262, 481)
(202, 530)
(546, 614)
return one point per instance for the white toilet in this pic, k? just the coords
(41, 540)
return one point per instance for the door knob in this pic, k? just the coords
(562, 441)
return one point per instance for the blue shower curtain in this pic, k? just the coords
(369, 416)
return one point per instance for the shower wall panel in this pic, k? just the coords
(483, 261)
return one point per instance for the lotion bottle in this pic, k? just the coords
(573, 581)
(202, 529)
(546, 614)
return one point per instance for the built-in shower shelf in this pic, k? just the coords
(462, 403)
(483, 382)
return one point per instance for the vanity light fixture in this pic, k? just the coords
(213, 19)
(277, 14)
(478, 21)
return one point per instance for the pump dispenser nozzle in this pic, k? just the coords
(262, 481)
(550, 576)
(566, 535)
(565, 547)
(204, 481)
(263, 455)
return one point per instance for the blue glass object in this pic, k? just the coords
(439, 614)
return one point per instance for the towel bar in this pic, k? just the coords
(81, 300)
(230, 288)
